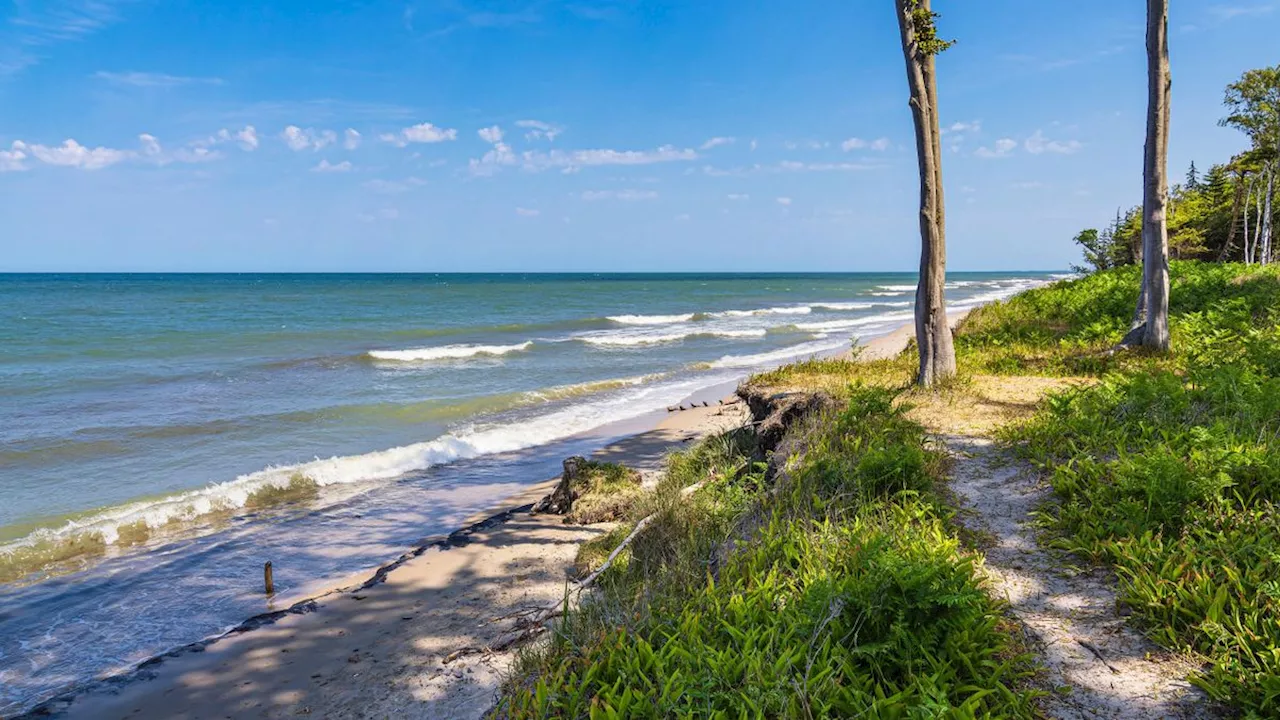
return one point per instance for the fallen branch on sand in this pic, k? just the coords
(535, 624)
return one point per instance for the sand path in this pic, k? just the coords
(1071, 618)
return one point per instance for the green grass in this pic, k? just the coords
(1168, 469)
(837, 589)
(605, 492)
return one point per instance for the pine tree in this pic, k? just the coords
(1193, 178)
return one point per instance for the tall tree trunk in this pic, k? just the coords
(1155, 232)
(1225, 254)
(933, 334)
(1268, 214)
(1249, 248)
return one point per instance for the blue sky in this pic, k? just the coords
(609, 135)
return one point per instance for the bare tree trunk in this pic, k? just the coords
(1268, 214)
(1155, 232)
(1249, 248)
(933, 334)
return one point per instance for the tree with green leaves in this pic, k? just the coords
(1253, 104)
(920, 46)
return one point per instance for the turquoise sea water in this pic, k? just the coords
(151, 423)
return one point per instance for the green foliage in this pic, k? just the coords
(1168, 468)
(1253, 104)
(837, 591)
(1216, 312)
(925, 23)
(605, 492)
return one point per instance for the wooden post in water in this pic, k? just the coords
(267, 579)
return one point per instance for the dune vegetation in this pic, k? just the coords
(830, 578)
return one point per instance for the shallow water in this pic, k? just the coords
(184, 428)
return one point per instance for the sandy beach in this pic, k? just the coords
(382, 644)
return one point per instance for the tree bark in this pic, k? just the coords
(933, 334)
(1267, 214)
(1155, 231)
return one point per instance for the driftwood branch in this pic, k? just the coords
(535, 623)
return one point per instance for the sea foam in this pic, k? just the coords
(651, 319)
(447, 352)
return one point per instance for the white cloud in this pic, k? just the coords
(1038, 143)
(72, 154)
(153, 80)
(299, 139)
(573, 160)
(853, 144)
(196, 152)
(754, 144)
(528, 212)
(682, 217)
(500, 155)
(150, 145)
(326, 167)
(1002, 148)
(628, 195)
(880, 144)
(538, 130)
(11, 160)
(784, 201)
(420, 133)
(717, 142)
(350, 139)
(963, 127)
(1030, 185)
(738, 196)
(247, 137)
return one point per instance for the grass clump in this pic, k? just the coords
(605, 492)
(1167, 469)
(833, 589)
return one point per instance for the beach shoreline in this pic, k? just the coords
(468, 570)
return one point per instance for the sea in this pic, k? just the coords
(164, 435)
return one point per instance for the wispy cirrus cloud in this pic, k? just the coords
(1231, 12)
(153, 80)
(717, 142)
(35, 28)
(572, 160)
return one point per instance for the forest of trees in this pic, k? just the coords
(1225, 213)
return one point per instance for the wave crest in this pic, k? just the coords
(447, 352)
